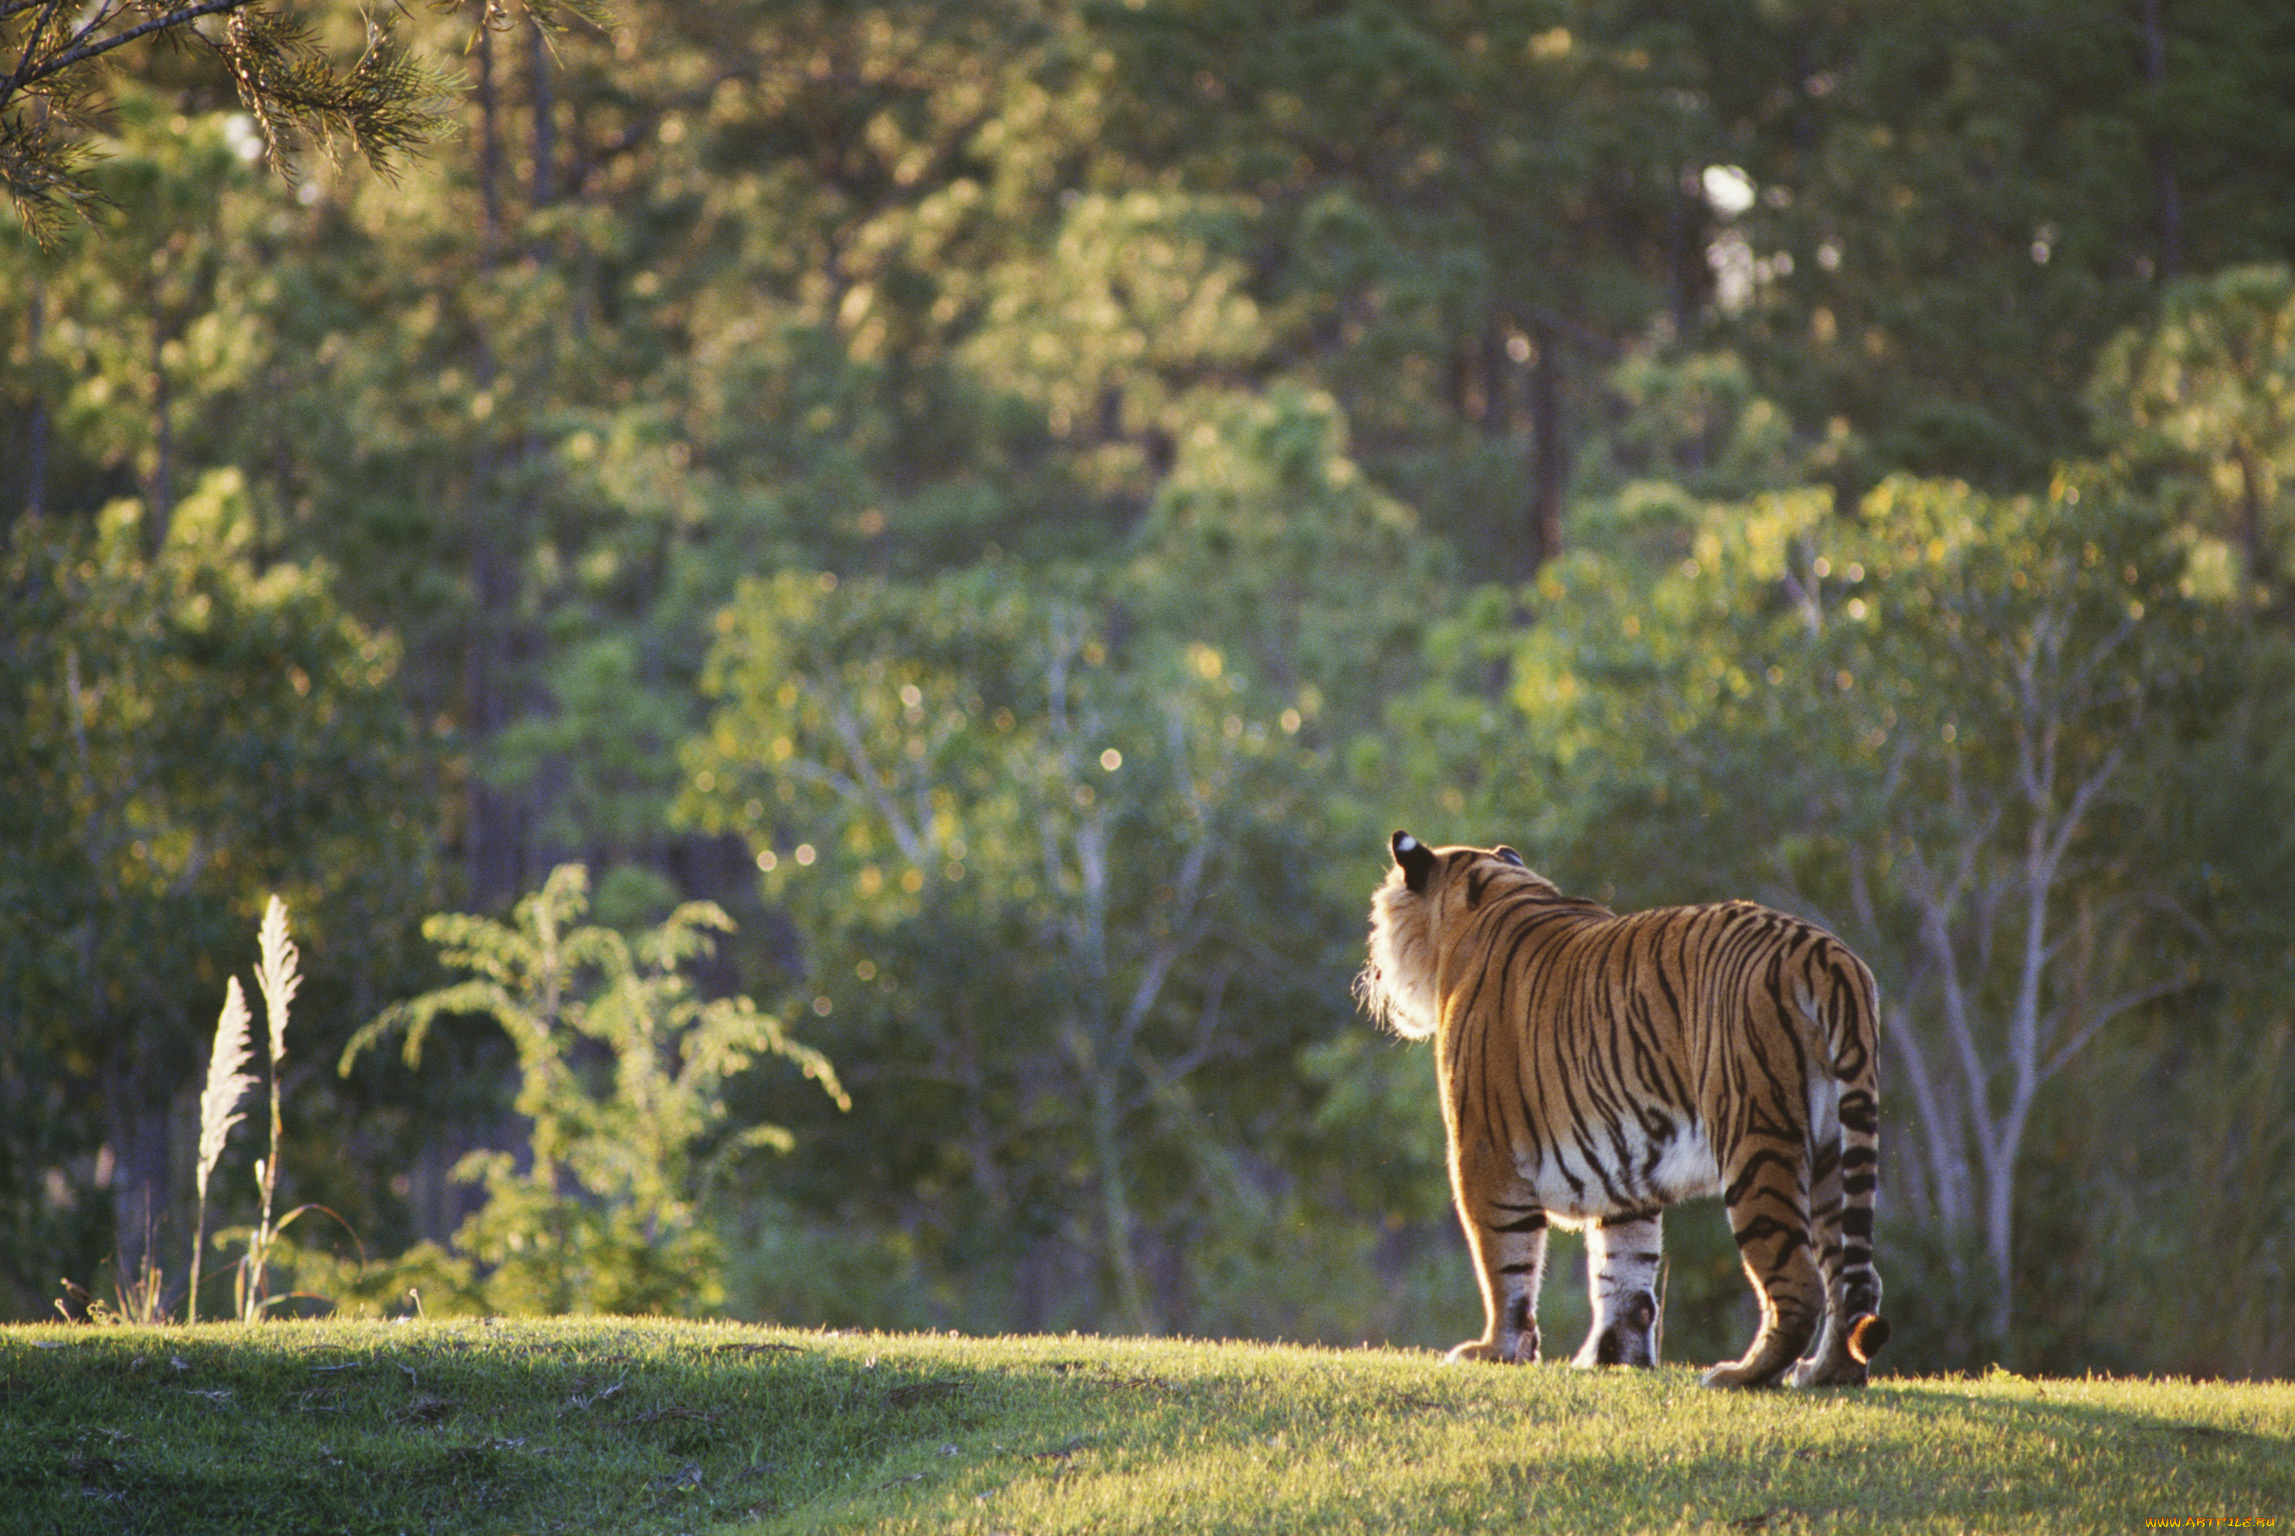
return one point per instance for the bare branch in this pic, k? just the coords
(1937, 1120)
(2082, 798)
(2108, 1010)
(2096, 657)
(875, 784)
(1962, 1036)
(1162, 1080)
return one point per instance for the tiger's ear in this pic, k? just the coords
(1416, 859)
(1510, 856)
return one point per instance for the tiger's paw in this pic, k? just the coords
(1736, 1375)
(1844, 1365)
(1629, 1338)
(1823, 1373)
(1526, 1353)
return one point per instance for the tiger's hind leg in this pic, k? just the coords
(1768, 1201)
(1622, 1256)
(1506, 1228)
(1843, 1229)
(1824, 1236)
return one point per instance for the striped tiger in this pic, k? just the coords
(1596, 1068)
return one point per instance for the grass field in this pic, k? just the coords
(611, 1426)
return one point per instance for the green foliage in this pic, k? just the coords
(185, 728)
(1040, 885)
(1896, 665)
(1110, 326)
(1698, 423)
(1267, 540)
(1958, 204)
(622, 1071)
(656, 1426)
(1177, 381)
(2204, 396)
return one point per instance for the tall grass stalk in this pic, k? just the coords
(277, 976)
(227, 1085)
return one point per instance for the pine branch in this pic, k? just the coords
(43, 174)
(382, 107)
(33, 70)
(385, 105)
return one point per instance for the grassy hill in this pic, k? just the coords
(612, 1426)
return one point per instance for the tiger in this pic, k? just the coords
(1595, 1068)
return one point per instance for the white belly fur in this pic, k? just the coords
(1684, 1168)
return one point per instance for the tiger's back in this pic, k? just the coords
(1597, 1067)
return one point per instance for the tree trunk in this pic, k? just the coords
(36, 424)
(2163, 165)
(1687, 259)
(136, 1132)
(489, 146)
(2255, 552)
(545, 128)
(1116, 1219)
(162, 495)
(493, 837)
(1548, 470)
(1999, 1241)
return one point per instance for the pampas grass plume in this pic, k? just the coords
(277, 976)
(227, 1084)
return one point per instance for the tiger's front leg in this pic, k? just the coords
(1506, 1229)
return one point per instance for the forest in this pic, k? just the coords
(819, 612)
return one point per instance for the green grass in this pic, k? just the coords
(611, 1426)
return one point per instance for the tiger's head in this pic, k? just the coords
(1419, 912)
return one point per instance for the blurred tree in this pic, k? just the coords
(1698, 422)
(1048, 894)
(1451, 203)
(127, 345)
(1269, 542)
(2205, 393)
(698, 322)
(182, 731)
(1950, 207)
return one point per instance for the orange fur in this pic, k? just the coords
(1596, 1067)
